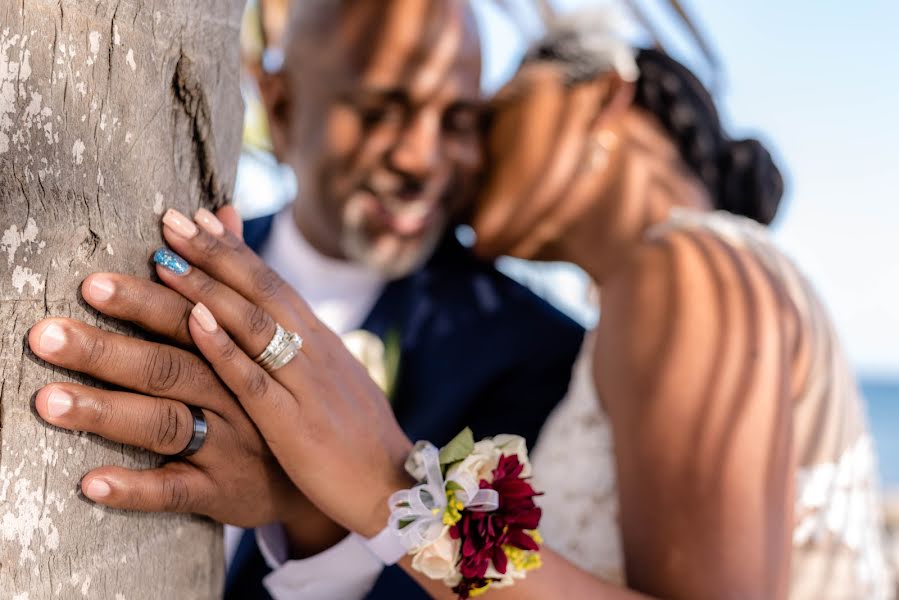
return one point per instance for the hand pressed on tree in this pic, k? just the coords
(326, 421)
(233, 478)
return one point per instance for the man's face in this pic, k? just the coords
(384, 133)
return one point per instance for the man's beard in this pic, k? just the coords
(390, 257)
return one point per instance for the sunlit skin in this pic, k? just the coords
(380, 121)
(698, 355)
(385, 138)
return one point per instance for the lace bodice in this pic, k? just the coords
(838, 543)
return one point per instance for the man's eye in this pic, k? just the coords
(462, 121)
(376, 115)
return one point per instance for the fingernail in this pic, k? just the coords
(179, 223)
(97, 489)
(52, 339)
(204, 318)
(209, 222)
(101, 289)
(171, 261)
(59, 403)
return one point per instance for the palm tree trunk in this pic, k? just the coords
(110, 110)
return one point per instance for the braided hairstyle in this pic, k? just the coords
(740, 175)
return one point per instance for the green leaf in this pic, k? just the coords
(392, 355)
(459, 447)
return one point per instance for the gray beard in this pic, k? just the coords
(357, 247)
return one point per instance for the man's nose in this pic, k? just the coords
(417, 150)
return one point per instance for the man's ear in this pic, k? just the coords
(617, 97)
(278, 103)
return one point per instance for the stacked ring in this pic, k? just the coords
(283, 348)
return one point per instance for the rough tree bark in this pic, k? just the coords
(110, 110)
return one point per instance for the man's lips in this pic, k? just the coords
(407, 216)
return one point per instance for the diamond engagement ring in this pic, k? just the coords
(283, 348)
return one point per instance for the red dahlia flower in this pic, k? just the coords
(484, 534)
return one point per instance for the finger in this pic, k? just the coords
(249, 324)
(228, 260)
(175, 487)
(157, 424)
(227, 215)
(271, 407)
(139, 365)
(152, 307)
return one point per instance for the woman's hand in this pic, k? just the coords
(328, 424)
(233, 478)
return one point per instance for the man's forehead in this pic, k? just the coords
(419, 46)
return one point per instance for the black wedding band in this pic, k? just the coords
(199, 434)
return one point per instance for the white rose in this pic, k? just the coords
(369, 350)
(438, 560)
(514, 444)
(506, 579)
(479, 464)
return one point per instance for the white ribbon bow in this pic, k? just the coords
(416, 515)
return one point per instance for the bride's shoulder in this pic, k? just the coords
(685, 301)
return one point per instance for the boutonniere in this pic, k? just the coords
(380, 358)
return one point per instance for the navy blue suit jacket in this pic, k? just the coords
(477, 350)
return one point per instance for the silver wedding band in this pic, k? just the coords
(283, 348)
(199, 433)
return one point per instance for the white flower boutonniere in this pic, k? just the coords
(380, 360)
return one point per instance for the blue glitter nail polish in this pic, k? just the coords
(171, 261)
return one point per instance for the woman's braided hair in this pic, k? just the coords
(740, 175)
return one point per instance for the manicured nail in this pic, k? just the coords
(59, 403)
(171, 261)
(209, 222)
(101, 289)
(204, 318)
(180, 224)
(97, 489)
(52, 339)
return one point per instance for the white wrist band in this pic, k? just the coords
(386, 546)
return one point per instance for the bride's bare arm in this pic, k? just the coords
(692, 365)
(557, 578)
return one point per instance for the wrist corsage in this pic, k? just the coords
(472, 521)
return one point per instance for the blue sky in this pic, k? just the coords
(819, 82)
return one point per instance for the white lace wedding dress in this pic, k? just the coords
(838, 543)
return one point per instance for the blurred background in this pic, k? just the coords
(813, 80)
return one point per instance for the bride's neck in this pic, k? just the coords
(650, 179)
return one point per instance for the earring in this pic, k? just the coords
(601, 145)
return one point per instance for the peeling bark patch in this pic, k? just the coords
(12, 240)
(23, 276)
(130, 60)
(28, 515)
(158, 204)
(13, 75)
(78, 152)
(191, 102)
(94, 47)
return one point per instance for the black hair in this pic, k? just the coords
(740, 175)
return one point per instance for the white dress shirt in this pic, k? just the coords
(341, 294)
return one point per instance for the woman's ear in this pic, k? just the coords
(617, 97)
(278, 103)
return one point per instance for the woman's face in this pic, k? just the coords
(544, 164)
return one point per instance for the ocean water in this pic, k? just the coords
(882, 397)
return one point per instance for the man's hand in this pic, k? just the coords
(233, 478)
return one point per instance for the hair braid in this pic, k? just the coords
(740, 175)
